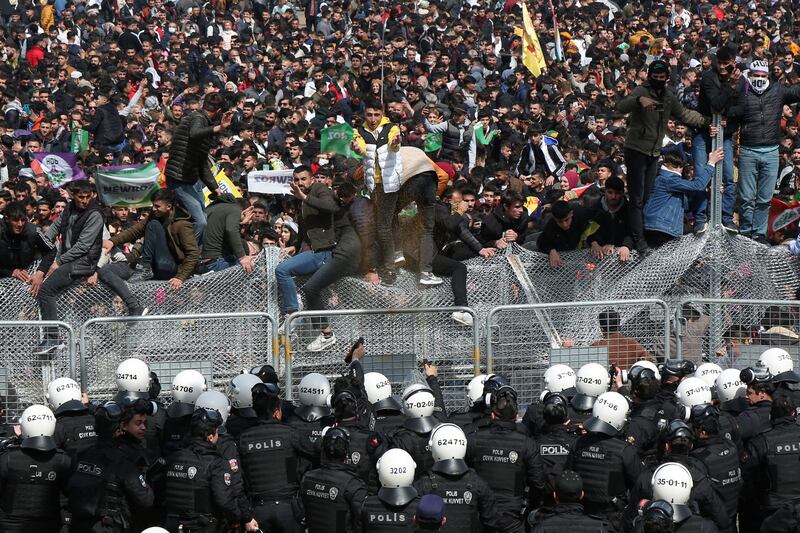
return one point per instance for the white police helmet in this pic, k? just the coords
(609, 414)
(314, 389)
(729, 385)
(560, 378)
(592, 381)
(672, 482)
(242, 394)
(64, 394)
(155, 530)
(693, 391)
(448, 446)
(419, 403)
(133, 378)
(647, 364)
(708, 372)
(37, 427)
(396, 469)
(777, 361)
(379, 392)
(188, 385)
(212, 399)
(474, 389)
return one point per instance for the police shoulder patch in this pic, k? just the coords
(234, 465)
(227, 479)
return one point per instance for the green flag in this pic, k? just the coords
(482, 138)
(79, 141)
(433, 141)
(337, 139)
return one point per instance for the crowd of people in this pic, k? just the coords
(673, 447)
(609, 148)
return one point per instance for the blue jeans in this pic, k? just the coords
(758, 174)
(303, 264)
(156, 252)
(698, 202)
(191, 198)
(220, 263)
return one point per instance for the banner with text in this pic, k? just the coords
(127, 186)
(59, 168)
(269, 181)
(225, 186)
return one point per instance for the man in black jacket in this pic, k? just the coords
(188, 158)
(564, 231)
(80, 228)
(20, 244)
(717, 93)
(107, 125)
(759, 110)
(613, 236)
(507, 223)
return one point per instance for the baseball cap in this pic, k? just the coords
(430, 510)
(569, 486)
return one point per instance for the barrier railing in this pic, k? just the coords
(523, 340)
(218, 345)
(734, 333)
(396, 347)
(23, 375)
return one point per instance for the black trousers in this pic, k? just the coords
(457, 272)
(276, 517)
(642, 171)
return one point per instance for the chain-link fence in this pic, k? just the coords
(397, 341)
(523, 340)
(220, 346)
(734, 333)
(24, 376)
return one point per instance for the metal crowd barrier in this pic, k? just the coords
(396, 347)
(523, 340)
(734, 333)
(24, 376)
(220, 345)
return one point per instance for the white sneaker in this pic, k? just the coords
(427, 278)
(399, 258)
(322, 342)
(463, 318)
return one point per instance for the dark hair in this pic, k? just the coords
(561, 209)
(725, 54)
(782, 405)
(164, 195)
(510, 197)
(213, 102)
(673, 159)
(373, 103)
(302, 168)
(265, 405)
(15, 211)
(81, 186)
(614, 183)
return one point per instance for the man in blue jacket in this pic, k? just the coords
(664, 211)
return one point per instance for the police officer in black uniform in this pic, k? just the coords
(556, 439)
(105, 488)
(392, 508)
(187, 386)
(471, 505)
(413, 436)
(74, 423)
(386, 409)
(270, 453)
(310, 417)
(672, 373)
(198, 486)
(646, 412)
(331, 497)
(784, 520)
(345, 410)
(608, 465)
(155, 421)
(678, 442)
(476, 407)
(507, 459)
(773, 458)
(720, 457)
(33, 475)
(242, 415)
(567, 514)
(558, 379)
(754, 421)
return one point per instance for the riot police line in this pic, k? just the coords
(653, 448)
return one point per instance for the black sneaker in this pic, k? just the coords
(141, 273)
(388, 276)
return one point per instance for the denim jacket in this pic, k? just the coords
(665, 207)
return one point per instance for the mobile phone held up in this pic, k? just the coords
(349, 356)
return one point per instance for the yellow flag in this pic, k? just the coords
(225, 185)
(532, 55)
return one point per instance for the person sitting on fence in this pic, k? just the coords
(79, 231)
(614, 236)
(334, 250)
(222, 243)
(566, 230)
(20, 245)
(169, 252)
(507, 223)
(623, 351)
